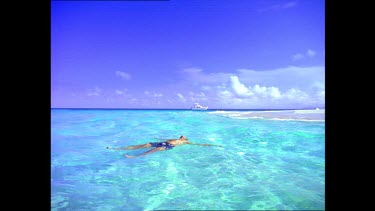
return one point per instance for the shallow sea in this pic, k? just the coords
(264, 164)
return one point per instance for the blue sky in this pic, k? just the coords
(170, 54)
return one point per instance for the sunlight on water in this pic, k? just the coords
(265, 164)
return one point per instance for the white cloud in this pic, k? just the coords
(153, 94)
(295, 94)
(318, 86)
(200, 96)
(206, 88)
(297, 57)
(196, 76)
(288, 87)
(158, 95)
(284, 78)
(267, 97)
(239, 88)
(321, 94)
(261, 90)
(272, 92)
(119, 92)
(123, 75)
(122, 92)
(276, 7)
(225, 94)
(310, 53)
(192, 70)
(288, 5)
(94, 92)
(258, 91)
(182, 98)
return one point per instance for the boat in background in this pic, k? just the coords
(198, 107)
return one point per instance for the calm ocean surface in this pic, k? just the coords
(265, 164)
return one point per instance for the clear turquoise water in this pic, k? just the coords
(266, 164)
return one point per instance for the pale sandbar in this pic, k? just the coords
(306, 115)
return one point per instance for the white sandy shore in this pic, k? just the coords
(307, 115)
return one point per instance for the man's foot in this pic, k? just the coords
(129, 156)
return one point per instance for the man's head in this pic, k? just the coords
(183, 138)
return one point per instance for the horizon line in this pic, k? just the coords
(190, 108)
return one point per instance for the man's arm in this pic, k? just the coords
(165, 139)
(203, 144)
(120, 148)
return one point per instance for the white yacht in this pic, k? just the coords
(199, 107)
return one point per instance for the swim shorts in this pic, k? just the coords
(165, 145)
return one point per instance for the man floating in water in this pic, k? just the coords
(159, 146)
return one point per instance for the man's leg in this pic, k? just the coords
(146, 153)
(148, 145)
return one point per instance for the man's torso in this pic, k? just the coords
(176, 142)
